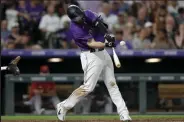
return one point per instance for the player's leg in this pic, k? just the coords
(92, 67)
(92, 64)
(114, 92)
(55, 100)
(113, 89)
(37, 104)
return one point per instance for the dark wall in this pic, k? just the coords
(73, 65)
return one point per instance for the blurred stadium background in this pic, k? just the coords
(152, 75)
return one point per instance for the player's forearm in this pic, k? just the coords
(3, 68)
(97, 45)
(94, 44)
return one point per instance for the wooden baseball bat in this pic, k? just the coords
(116, 59)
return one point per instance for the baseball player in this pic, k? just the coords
(41, 90)
(12, 67)
(90, 34)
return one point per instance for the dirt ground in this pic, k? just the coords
(141, 120)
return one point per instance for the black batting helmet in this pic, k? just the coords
(75, 13)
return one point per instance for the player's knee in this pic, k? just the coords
(83, 90)
(112, 84)
(89, 89)
(80, 92)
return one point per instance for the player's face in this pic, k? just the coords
(79, 20)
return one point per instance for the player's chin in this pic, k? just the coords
(79, 21)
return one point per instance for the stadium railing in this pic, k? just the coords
(76, 52)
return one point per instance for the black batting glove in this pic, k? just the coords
(12, 67)
(109, 37)
(110, 44)
(110, 40)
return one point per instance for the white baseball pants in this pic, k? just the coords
(95, 64)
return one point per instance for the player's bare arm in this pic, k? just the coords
(94, 44)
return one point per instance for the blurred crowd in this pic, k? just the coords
(43, 24)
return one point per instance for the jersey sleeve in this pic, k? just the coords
(91, 16)
(79, 34)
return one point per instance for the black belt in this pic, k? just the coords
(96, 50)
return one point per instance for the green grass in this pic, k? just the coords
(90, 117)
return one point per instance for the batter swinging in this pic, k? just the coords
(90, 32)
